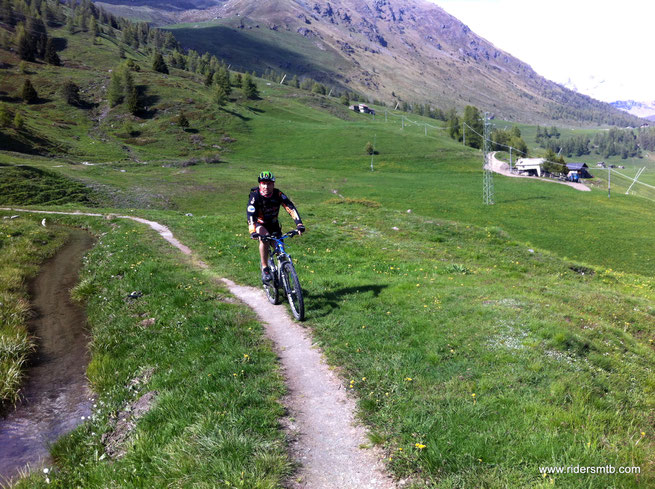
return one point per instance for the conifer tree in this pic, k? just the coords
(5, 115)
(115, 90)
(51, 56)
(131, 93)
(158, 64)
(19, 122)
(249, 87)
(71, 92)
(28, 93)
(220, 97)
(223, 79)
(25, 44)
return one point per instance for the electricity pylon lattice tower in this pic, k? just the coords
(488, 178)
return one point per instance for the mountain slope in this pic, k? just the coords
(389, 50)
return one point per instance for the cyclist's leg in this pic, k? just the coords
(263, 246)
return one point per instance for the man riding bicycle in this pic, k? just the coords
(263, 208)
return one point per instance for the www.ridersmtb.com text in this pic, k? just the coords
(577, 469)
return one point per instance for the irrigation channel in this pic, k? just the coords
(55, 397)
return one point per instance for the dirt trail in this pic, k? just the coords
(501, 167)
(326, 438)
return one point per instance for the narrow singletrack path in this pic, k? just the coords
(326, 439)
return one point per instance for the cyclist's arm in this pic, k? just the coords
(290, 208)
(251, 213)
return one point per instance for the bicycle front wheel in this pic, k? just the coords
(272, 293)
(293, 291)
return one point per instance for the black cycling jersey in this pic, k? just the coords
(264, 210)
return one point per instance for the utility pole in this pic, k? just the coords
(510, 158)
(374, 136)
(464, 132)
(609, 182)
(488, 179)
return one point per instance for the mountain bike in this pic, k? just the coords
(284, 276)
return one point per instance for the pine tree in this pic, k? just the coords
(249, 87)
(223, 79)
(19, 122)
(28, 93)
(158, 64)
(94, 29)
(115, 90)
(220, 97)
(39, 35)
(182, 121)
(70, 24)
(5, 115)
(51, 56)
(71, 93)
(131, 93)
(209, 78)
(25, 44)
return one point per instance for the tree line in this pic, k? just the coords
(626, 143)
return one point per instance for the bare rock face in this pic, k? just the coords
(436, 53)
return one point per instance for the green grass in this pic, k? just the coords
(24, 244)
(214, 421)
(555, 343)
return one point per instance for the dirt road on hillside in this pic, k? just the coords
(326, 438)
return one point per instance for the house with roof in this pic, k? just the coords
(581, 168)
(530, 166)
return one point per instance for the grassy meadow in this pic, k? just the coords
(483, 343)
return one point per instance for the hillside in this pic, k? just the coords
(389, 50)
(482, 343)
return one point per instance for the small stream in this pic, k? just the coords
(56, 395)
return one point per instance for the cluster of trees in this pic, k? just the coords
(502, 138)
(574, 106)
(626, 143)
(545, 134)
(7, 119)
(469, 129)
(122, 88)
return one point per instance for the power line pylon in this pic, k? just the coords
(488, 178)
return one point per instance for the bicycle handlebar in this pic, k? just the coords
(291, 233)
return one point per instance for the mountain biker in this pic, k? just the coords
(263, 208)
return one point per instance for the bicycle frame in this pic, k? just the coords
(284, 275)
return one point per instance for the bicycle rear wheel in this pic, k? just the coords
(293, 291)
(271, 288)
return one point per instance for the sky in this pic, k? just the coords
(604, 47)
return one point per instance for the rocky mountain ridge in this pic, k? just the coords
(409, 50)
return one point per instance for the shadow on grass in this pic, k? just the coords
(60, 43)
(534, 197)
(329, 300)
(235, 114)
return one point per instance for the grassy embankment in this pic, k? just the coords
(23, 246)
(420, 319)
(214, 418)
